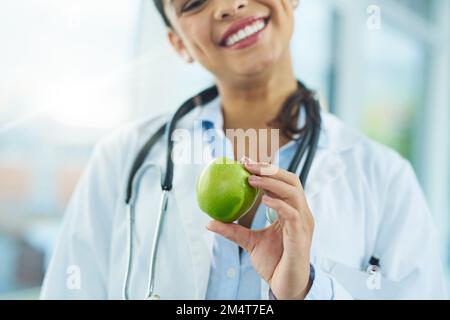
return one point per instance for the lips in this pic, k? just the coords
(241, 25)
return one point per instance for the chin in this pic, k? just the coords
(254, 66)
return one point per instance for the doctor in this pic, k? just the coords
(360, 229)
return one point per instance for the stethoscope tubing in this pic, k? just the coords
(309, 141)
(130, 208)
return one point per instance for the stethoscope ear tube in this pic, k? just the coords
(156, 238)
(166, 183)
(300, 152)
(166, 131)
(131, 216)
(309, 141)
(312, 147)
(140, 158)
(199, 100)
(130, 253)
(154, 250)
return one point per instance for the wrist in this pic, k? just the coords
(304, 292)
(302, 295)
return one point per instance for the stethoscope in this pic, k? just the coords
(308, 144)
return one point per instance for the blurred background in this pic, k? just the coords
(73, 70)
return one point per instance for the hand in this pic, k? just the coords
(280, 253)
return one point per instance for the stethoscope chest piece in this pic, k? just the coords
(271, 215)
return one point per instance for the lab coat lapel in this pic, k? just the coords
(328, 164)
(193, 219)
(326, 168)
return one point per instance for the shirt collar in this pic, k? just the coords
(211, 114)
(334, 134)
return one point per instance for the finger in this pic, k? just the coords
(270, 194)
(290, 217)
(240, 235)
(279, 188)
(303, 217)
(269, 170)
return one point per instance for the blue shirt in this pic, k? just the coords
(232, 276)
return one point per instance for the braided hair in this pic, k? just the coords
(286, 118)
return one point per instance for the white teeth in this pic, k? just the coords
(245, 33)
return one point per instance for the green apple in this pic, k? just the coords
(223, 191)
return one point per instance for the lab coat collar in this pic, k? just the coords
(334, 135)
(326, 168)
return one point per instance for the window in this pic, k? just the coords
(394, 87)
(66, 68)
(71, 70)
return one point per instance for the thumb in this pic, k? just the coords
(240, 235)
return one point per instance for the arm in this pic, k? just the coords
(323, 287)
(79, 265)
(406, 244)
(407, 241)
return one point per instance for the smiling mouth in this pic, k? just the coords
(247, 32)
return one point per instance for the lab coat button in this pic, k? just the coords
(231, 273)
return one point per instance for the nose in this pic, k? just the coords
(228, 8)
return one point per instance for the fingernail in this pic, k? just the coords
(250, 164)
(254, 178)
(250, 161)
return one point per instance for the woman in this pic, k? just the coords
(362, 206)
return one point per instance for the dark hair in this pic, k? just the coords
(160, 6)
(286, 118)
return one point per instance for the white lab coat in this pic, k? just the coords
(364, 197)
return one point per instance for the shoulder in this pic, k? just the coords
(120, 146)
(353, 145)
(133, 132)
(371, 167)
(376, 172)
